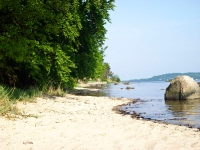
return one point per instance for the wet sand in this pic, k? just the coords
(88, 123)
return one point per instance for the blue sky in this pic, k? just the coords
(153, 37)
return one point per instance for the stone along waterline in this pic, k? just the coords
(151, 104)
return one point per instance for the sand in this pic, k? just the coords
(89, 123)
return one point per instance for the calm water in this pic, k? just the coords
(151, 103)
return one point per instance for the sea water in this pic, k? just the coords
(151, 104)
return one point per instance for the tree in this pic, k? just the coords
(108, 74)
(89, 57)
(51, 40)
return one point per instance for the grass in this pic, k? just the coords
(6, 105)
(10, 96)
(55, 92)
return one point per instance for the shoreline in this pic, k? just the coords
(86, 122)
(136, 115)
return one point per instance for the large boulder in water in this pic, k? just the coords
(182, 88)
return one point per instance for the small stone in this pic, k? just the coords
(27, 142)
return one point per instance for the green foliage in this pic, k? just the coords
(108, 74)
(28, 94)
(44, 41)
(115, 78)
(89, 58)
(107, 71)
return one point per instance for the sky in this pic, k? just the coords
(153, 37)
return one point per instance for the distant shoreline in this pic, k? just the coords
(168, 77)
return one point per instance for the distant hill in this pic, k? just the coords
(168, 77)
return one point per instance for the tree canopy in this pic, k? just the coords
(55, 41)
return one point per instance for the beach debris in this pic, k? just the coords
(126, 83)
(128, 87)
(28, 142)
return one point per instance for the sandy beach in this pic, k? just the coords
(89, 123)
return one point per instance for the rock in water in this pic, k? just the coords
(182, 88)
